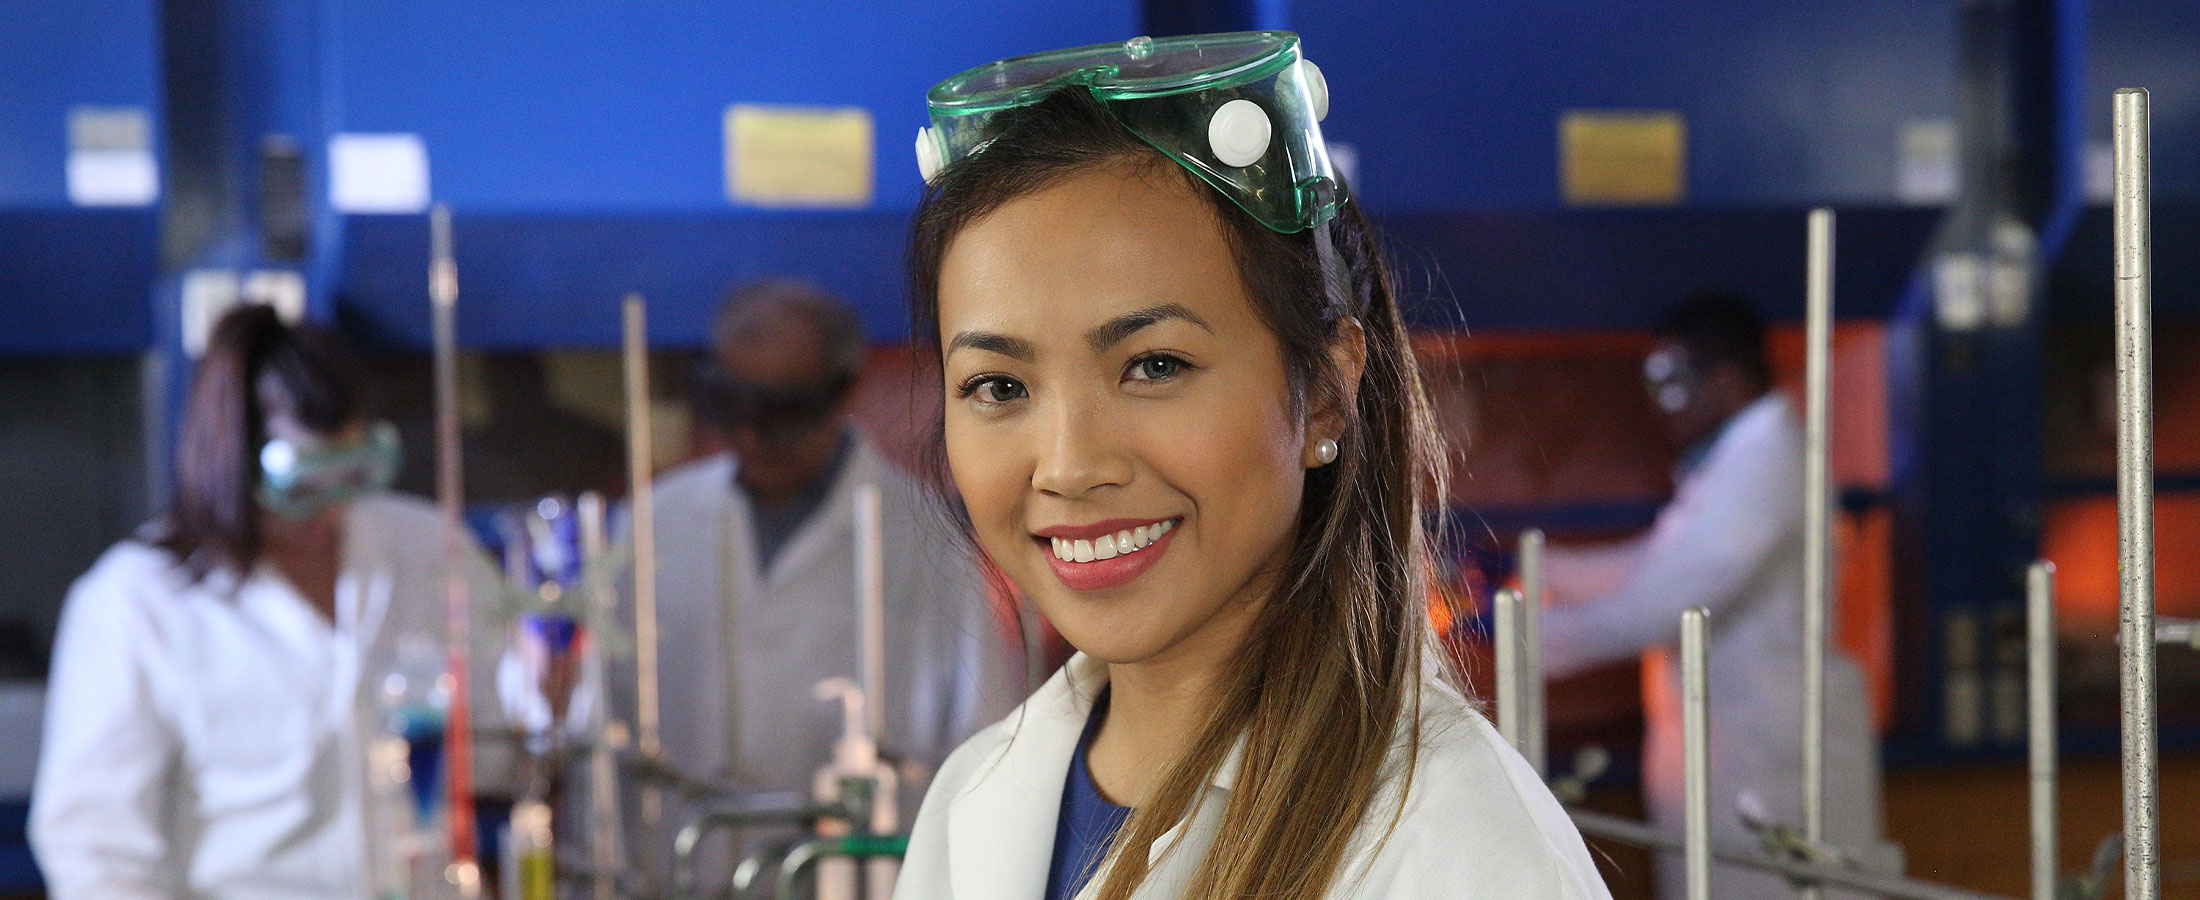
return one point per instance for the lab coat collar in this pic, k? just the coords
(1001, 828)
(824, 533)
(1773, 402)
(360, 596)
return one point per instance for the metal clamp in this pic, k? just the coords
(854, 846)
(691, 835)
(857, 798)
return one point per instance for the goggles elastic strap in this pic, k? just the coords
(1336, 278)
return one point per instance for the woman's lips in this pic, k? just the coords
(1110, 559)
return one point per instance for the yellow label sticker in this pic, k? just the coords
(799, 156)
(1622, 157)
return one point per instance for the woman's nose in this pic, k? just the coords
(1081, 451)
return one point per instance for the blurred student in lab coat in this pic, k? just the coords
(756, 583)
(217, 678)
(1730, 540)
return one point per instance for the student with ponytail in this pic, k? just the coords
(211, 697)
(1183, 417)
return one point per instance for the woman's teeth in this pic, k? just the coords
(1110, 546)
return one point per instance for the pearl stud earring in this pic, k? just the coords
(1325, 451)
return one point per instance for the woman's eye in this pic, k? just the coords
(1156, 368)
(993, 389)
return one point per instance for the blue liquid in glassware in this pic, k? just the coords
(422, 728)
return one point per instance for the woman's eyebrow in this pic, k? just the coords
(1011, 347)
(1115, 330)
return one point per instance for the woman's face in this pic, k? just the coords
(1107, 377)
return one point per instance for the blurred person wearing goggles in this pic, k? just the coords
(1731, 541)
(216, 694)
(756, 583)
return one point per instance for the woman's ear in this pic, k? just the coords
(1333, 408)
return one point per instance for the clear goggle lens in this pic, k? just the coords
(1669, 380)
(299, 481)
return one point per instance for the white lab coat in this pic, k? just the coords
(741, 649)
(208, 740)
(1476, 825)
(1731, 540)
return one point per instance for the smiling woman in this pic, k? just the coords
(1183, 418)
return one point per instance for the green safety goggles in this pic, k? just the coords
(1670, 380)
(1241, 110)
(297, 482)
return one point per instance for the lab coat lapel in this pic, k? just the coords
(362, 587)
(736, 540)
(1175, 855)
(362, 606)
(696, 516)
(1000, 832)
(741, 582)
(304, 643)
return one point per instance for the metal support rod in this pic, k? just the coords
(1696, 754)
(606, 854)
(2135, 490)
(2177, 631)
(1534, 720)
(1511, 695)
(1817, 522)
(465, 871)
(871, 608)
(1892, 887)
(641, 506)
(2039, 648)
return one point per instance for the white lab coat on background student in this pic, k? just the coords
(1476, 825)
(208, 740)
(1731, 540)
(742, 647)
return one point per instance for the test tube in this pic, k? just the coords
(465, 869)
(1534, 719)
(2040, 657)
(1510, 679)
(1817, 523)
(1696, 755)
(2135, 490)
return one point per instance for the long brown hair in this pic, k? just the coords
(1332, 671)
(254, 366)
